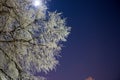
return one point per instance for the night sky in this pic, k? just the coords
(93, 47)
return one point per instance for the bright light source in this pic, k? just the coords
(37, 3)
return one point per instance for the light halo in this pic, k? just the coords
(37, 3)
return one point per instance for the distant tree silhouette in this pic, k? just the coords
(30, 39)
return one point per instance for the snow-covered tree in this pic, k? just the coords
(30, 39)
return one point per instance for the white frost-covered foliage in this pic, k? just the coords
(30, 38)
(41, 50)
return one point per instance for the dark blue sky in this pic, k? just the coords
(93, 47)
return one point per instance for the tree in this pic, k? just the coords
(30, 39)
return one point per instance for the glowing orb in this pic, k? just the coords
(37, 3)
